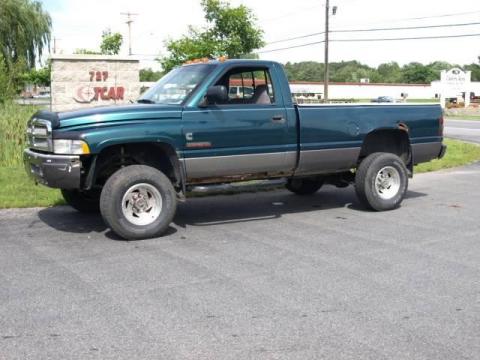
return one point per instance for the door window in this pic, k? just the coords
(249, 86)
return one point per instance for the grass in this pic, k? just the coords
(434, 101)
(17, 190)
(458, 153)
(13, 121)
(463, 117)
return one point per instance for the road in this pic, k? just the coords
(251, 276)
(466, 130)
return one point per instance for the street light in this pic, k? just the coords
(326, 75)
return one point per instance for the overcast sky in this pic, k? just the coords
(79, 24)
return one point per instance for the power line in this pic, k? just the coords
(376, 29)
(410, 38)
(408, 27)
(389, 21)
(440, 16)
(296, 37)
(373, 40)
(292, 47)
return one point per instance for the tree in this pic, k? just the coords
(39, 77)
(230, 31)
(149, 75)
(6, 86)
(111, 42)
(304, 71)
(350, 71)
(25, 30)
(390, 72)
(475, 69)
(416, 73)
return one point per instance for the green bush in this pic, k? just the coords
(13, 120)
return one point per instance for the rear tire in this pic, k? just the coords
(138, 202)
(381, 181)
(304, 186)
(83, 201)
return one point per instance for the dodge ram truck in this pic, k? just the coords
(218, 122)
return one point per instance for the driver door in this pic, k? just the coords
(248, 134)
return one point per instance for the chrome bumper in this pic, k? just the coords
(56, 171)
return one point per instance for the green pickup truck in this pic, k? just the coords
(218, 122)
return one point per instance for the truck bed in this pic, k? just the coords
(325, 127)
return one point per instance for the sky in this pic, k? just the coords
(79, 24)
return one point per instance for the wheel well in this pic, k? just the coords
(158, 155)
(394, 141)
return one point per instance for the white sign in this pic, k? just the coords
(454, 83)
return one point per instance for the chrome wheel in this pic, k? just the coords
(142, 204)
(387, 182)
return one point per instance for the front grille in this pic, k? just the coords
(39, 134)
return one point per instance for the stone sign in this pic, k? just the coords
(80, 81)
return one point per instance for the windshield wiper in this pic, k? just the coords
(145, 101)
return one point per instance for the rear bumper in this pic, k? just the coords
(425, 152)
(443, 151)
(56, 171)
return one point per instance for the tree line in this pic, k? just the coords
(392, 72)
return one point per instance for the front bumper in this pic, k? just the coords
(56, 171)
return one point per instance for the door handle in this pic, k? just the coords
(278, 118)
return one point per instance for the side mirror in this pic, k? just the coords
(216, 95)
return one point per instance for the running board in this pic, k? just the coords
(238, 187)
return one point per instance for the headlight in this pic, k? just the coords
(70, 147)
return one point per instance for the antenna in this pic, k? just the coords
(129, 23)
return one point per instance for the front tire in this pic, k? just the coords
(381, 181)
(304, 186)
(83, 201)
(138, 202)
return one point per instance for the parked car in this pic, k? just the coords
(238, 92)
(134, 162)
(42, 95)
(384, 99)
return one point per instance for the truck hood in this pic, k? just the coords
(109, 115)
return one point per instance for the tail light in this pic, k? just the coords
(441, 125)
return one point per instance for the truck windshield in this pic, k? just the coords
(177, 85)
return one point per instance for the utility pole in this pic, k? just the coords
(325, 75)
(327, 30)
(129, 23)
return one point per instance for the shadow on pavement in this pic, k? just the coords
(267, 205)
(221, 209)
(66, 219)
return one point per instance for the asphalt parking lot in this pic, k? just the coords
(251, 276)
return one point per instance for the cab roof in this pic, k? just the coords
(240, 62)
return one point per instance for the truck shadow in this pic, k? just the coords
(220, 209)
(66, 219)
(248, 207)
